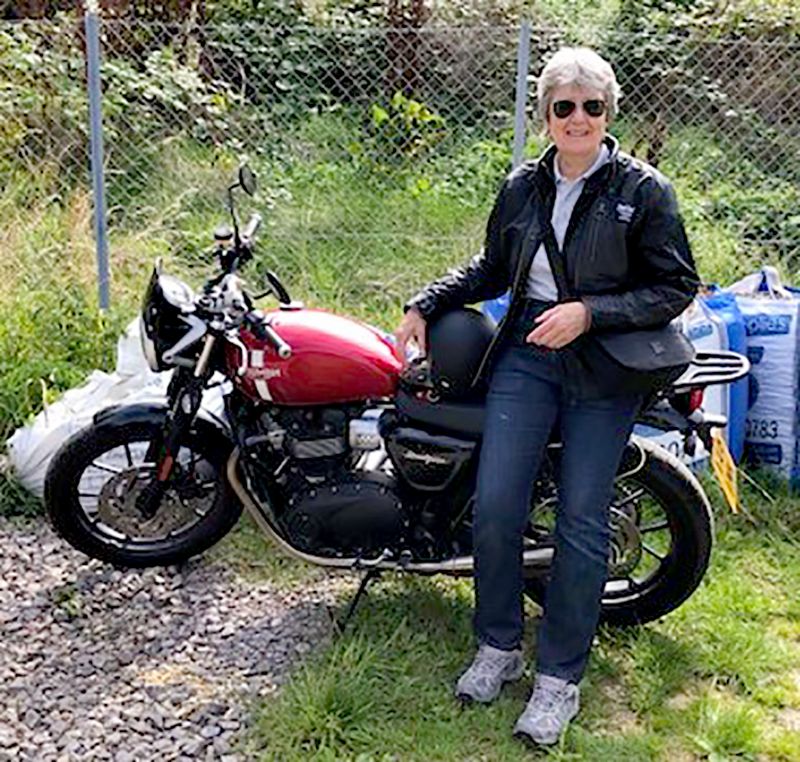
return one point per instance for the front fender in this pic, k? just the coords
(155, 413)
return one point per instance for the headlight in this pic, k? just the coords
(176, 292)
(167, 321)
(148, 346)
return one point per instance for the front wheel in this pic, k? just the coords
(94, 480)
(662, 532)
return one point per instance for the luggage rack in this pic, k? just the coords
(712, 366)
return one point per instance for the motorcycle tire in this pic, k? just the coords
(687, 514)
(69, 518)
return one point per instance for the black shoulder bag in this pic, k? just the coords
(614, 363)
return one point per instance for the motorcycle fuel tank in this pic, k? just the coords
(334, 359)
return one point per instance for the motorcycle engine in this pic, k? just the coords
(327, 506)
(359, 514)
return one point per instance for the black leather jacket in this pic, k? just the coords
(625, 254)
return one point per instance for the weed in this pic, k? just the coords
(67, 599)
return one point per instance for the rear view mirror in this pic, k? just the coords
(247, 180)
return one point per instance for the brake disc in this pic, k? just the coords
(117, 509)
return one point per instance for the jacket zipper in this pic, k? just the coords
(594, 230)
(523, 257)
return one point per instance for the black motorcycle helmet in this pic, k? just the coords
(457, 342)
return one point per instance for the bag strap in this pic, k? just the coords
(771, 282)
(556, 259)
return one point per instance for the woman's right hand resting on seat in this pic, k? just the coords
(412, 327)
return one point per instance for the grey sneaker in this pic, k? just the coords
(490, 668)
(552, 705)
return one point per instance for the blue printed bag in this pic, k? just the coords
(772, 427)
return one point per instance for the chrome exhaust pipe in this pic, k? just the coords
(461, 565)
(534, 558)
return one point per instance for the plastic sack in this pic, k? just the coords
(724, 305)
(771, 313)
(495, 309)
(31, 447)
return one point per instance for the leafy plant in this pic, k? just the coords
(403, 129)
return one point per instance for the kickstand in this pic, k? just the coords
(340, 624)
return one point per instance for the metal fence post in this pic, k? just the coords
(96, 132)
(523, 60)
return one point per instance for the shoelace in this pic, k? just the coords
(486, 662)
(546, 698)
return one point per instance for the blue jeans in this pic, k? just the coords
(525, 401)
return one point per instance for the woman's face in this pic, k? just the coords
(577, 134)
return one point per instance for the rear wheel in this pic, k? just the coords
(662, 530)
(94, 480)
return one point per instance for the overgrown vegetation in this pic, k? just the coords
(366, 197)
(368, 190)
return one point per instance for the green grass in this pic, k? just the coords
(15, 500)
(252, 556)
(718, 679)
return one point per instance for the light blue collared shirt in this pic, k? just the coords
(541, 284)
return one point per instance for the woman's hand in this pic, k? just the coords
(560, 325)
(412, 327)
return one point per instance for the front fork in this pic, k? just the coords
(184, 396)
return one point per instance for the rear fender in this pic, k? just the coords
(664, 418)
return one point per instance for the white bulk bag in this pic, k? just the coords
(31, 447)
(771, 314)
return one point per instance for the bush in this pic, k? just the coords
(403, 129)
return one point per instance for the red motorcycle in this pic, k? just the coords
(345, 457)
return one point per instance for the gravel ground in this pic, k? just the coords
(98, 663)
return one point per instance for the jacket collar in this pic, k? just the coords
(545, 172)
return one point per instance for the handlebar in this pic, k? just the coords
(281, 347)
(253, 224)
(230, 257)
(265, 331)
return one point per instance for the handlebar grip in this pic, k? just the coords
(265, 331)
(281, 347)
(253, 224)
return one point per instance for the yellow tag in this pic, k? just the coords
(724, 469)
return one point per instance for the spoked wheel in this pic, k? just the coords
(662, 531)
(95, 479)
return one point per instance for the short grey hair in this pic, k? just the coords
(577, 66)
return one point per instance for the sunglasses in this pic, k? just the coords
(592, 108)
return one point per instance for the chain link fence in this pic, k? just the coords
(378, 150)
(349, 132)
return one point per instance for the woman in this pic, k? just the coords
(591, 244)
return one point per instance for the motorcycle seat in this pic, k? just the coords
(454, 417)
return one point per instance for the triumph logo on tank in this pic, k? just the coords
(262, 371)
